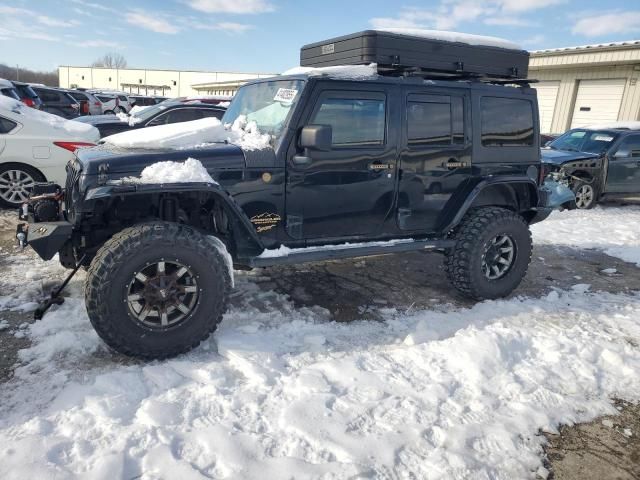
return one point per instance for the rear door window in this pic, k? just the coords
(184, 115)
(435, 120)
(210, 112)
(506, 122)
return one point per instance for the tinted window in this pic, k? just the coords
(123, 98)
(78, 95)
(6, 125)
(355, 122)
(10, 92)
(429, 123)
(183, 115)
(49, 96)
(207, 112)
(506, 122)
(629, 147)
(104, 99)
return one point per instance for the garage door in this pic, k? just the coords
(598, 101)
(547, 96)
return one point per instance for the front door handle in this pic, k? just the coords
(380, 166)
(302, 160)
(454, 163)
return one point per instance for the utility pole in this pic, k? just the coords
(17, 73)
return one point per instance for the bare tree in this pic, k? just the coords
(110, 60)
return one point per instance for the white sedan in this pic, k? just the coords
(35, 147)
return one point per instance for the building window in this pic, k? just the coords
(175, 83)
(140, 80)
(109, 78)
(82, 77)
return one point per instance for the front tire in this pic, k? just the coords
(586, 195)
(157, 290)
(491, 255)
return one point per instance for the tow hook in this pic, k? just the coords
(21, 235)
(56, 298)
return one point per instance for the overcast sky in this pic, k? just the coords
(265, 35)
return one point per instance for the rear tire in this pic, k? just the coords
(16, 183)
(157, 290)
(491, 255)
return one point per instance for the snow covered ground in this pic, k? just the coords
(285, 392)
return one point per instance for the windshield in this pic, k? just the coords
(266, 103)
(590, 141)
(148, 112)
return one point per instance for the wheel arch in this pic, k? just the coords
(519, 194)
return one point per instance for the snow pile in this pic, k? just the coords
(193, 134)
(292, 394)
(78, 129)
(346, 72)
(191, 170)
(458, 37)
(614, 230)
(129, 118)
(605, 126)
(137, 108)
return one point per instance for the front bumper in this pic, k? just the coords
(46, 238)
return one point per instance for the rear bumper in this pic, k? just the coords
(46, 238)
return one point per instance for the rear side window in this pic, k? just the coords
(49, 96)
(78, 96)
(506, 122)
(206, 113)
(355, 122)
(11, 93)
(6, 125)
(104, 99)
(435, 120)
(184, 115)
(123, 98)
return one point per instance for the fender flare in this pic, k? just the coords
(245, 235)
(471, 195)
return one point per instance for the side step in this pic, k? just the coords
(335, 252)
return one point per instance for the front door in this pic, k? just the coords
(348, 190)
(436, 159)
(624, 167)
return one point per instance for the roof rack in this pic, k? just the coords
(461, 75)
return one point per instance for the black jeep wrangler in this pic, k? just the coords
(408, 159)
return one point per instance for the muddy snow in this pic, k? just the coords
(285, 391)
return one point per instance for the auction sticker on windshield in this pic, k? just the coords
(603, 138)
(285, 95)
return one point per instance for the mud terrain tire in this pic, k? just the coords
(122, 262)
(481, 238)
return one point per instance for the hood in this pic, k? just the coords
(130, 162)
(560, 157)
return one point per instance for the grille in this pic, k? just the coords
(74, 169)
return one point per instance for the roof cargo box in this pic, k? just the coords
(398, 52)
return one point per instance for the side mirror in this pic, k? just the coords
(622, 154)
(316, 137)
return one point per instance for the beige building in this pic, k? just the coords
(171, 83)
(588, 85)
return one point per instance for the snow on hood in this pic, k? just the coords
(193, 134)
(188, 171)
(633, 125)
(348, 72)
(458, 37)
(70, 127)
(129, 117)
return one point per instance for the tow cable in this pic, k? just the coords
(55, 298)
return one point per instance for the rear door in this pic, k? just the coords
(347, 191)
(624, 166)
(436, 157)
